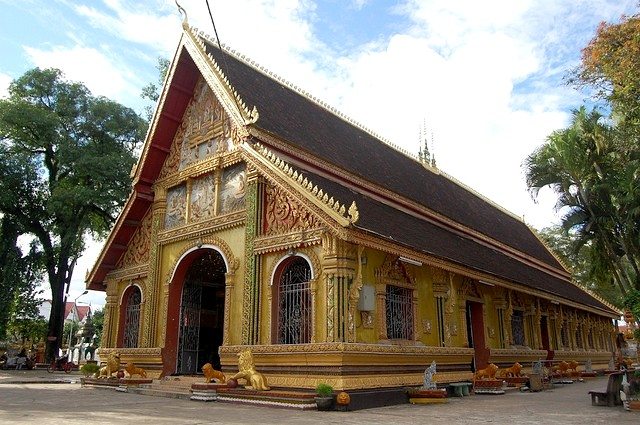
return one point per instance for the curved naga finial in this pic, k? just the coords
(183, 13)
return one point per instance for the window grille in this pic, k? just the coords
(517, 327)
(579, 343)
(132, 319)
(441, 324)
(564, 335)
(554, 333)
(399, 313)
(501, 334)
(294, 304)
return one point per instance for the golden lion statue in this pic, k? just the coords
(513, 371)
(562, 368)
(112, 366)
(573, 365)
(135, 370)
(488, 372)
(247, 371)
(210, 373)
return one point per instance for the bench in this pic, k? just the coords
(461, 389)
(611, 396)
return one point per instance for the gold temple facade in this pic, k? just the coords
(235, 236)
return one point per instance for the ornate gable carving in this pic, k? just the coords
(138, 250)
(469, 290)
(394, 272)
(204, 132)
(283, 214)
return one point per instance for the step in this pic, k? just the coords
(174, 393)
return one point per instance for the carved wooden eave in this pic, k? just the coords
(270, 164)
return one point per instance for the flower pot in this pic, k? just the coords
(633, 405)
(324, 403)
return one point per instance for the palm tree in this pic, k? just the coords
(588, 169)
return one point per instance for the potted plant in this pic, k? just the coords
(324, 398)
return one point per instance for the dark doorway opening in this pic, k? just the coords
(201, 314)
(475, 335)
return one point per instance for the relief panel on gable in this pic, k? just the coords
(232, 188)
(176, 206)
(204, 132)
(203, 193)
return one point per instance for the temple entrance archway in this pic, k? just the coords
(195, 319)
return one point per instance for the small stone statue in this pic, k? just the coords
(537, 367)
(428, 377)
(588, 367)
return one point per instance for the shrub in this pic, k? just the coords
(324, 390)
(89, 369)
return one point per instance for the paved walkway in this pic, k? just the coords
(25, 398)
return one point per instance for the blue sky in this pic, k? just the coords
(486, 77)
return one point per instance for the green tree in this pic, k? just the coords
(65, 158)
(98, 325)
(19, 278)
(611, 65)
(582, 262)
(585, 165)
(152, 90)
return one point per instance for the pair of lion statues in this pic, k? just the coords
(113, 365)
(491, 370)
(246, 370)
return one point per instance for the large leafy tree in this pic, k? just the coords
(585, 164)
(611, 65)
(152, 90)
(20, 275)
(594, 164)
(65, 159)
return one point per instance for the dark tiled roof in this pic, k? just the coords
(310, 127)
(296, 119)
(426, 237)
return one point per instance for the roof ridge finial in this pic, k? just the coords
(423, 153)
(183, 13)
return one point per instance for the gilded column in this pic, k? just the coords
(251, 292)
(537, 327)
(151, 317)
(313, 286)
(110, 326)
(230, 282)
(381, 323)
(507, 321)
(338, 270)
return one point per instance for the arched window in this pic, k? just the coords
(132, 318)
(293, 301)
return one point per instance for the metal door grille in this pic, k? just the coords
(399, 308)
(189, 329)
(132, 320)
(294, 307)
(517, 327)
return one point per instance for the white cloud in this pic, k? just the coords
(88, 65)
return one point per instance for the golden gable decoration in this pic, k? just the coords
(138, 249)
(283, 214)
(309, 189)
(205, 131)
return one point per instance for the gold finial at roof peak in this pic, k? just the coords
(183, 13)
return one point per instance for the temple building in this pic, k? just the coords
(261, 217)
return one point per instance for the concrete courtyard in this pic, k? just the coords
(36, 397)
